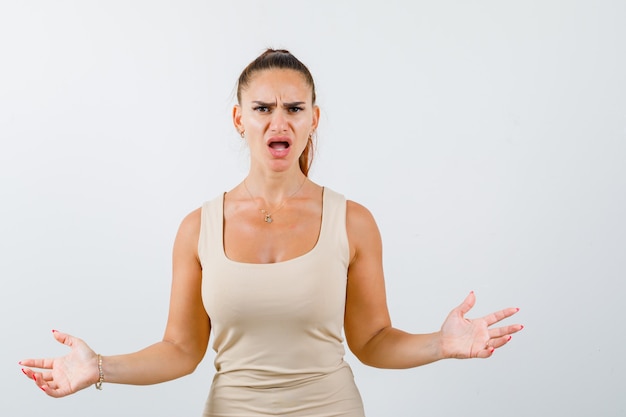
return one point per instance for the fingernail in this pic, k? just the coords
(517, 309)
(43, 389)
(35, 377)
(522, 326)
(492, 350)
(19, 363)
(510, 337)
(24, 372)
(54, 331)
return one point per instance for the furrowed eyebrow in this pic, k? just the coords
(294, 104)
(264, 104)
(273, 104)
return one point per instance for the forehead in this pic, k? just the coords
(275, 83)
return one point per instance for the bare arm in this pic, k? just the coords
(369, 332)
(187, 333)
(182, 348)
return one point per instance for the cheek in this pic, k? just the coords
(305, 123)
(253, 122)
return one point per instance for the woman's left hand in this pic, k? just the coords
(463, 338)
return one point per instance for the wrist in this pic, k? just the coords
(440, 350)
(100, 374)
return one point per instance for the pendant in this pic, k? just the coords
(268, 218)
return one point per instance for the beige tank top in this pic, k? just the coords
(279, 324)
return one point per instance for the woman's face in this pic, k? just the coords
(277, 114)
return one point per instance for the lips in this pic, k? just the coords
(279, 146)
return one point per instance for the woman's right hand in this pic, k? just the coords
(67, 374)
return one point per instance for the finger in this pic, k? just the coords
(52, 385)
(63, 338)
(37, 363)
(29, 373)
(39, 381)
(42, 363)
(47, 376)
(50, 391)
(493, 318)
(467, 304)
(500, 341)
(486, 352)
(46, 386)
(28, 362)
(505, 330)
(44, 381)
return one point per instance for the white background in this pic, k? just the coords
(488, 138)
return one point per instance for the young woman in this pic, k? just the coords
(275, 269)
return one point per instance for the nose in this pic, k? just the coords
(278, 122)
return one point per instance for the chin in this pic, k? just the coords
(282, 166)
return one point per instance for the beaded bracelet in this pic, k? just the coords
(100, 372)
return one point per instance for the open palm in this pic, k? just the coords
(464, 338)
(67, 374)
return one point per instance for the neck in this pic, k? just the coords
(273, 190)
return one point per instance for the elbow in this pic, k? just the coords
(189, 368)
(187, 359)
(366, 358)
(366, 352)
(191, 362)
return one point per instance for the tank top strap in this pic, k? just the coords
(333, 234)
(211, 224)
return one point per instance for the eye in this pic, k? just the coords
(261, 109)
(295, 109)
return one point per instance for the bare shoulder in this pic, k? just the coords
(363, 234)
(191, 222)
(358, 217)
(189, 230)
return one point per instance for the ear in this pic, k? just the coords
(237, 118)
(315, 119)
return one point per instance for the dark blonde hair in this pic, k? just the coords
(281, 59)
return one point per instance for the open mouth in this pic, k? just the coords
(279, 146)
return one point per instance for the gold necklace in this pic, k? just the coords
(267, 216)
